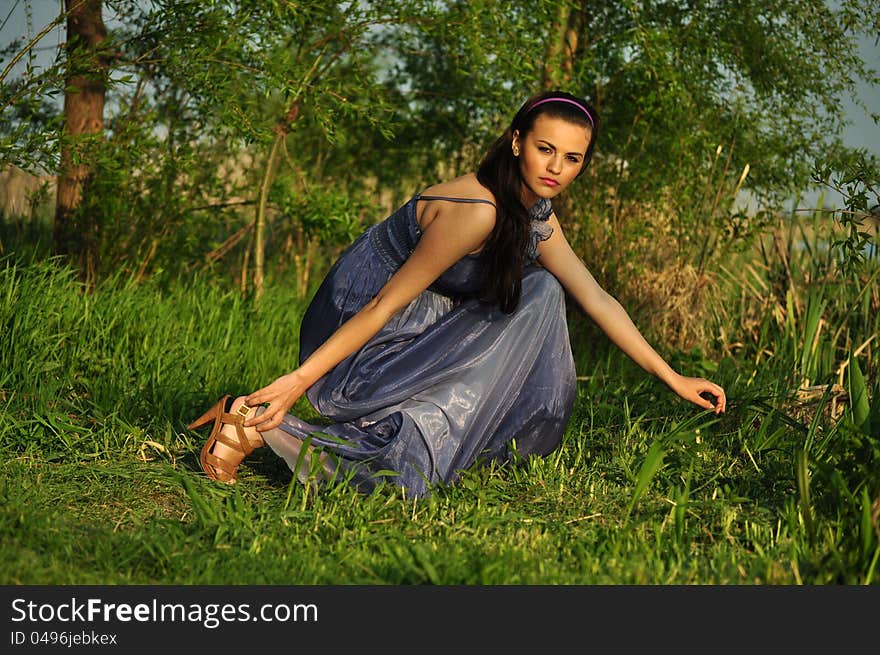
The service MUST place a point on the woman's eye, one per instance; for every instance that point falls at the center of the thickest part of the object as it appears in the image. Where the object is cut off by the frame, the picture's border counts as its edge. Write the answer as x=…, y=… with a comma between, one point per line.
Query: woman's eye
x=574, y=159
x=543, y=148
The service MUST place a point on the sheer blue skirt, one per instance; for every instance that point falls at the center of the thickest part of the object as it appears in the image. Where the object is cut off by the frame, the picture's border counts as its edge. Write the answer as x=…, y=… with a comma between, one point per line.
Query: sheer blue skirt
x=447, y=382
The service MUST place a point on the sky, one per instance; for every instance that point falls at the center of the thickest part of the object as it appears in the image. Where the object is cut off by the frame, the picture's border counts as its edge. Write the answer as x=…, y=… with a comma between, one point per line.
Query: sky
x=864, y=132
x=861, y=133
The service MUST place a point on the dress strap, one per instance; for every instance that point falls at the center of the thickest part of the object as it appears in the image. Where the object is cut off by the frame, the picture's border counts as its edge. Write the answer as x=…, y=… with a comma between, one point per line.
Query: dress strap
x=419, y=196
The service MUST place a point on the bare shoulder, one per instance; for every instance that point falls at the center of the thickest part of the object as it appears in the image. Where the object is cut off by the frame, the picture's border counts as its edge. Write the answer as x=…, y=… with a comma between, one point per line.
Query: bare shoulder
x=466, y=186
x=477, y=218
x=470, y=218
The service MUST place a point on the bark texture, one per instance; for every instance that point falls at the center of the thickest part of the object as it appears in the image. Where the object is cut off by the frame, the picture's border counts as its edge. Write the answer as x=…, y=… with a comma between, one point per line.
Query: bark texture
x=75, y=232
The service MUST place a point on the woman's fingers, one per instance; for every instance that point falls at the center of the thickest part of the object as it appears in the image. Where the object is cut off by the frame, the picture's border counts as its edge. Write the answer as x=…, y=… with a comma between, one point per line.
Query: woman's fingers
x=259, y=420
x=257, y=397
x=267, y=420
x=710, y=388
x=720, y=399
x=273, y=414
x=279, y=397
x=704, y=402
x=704, y=393
x=271, y=422
x=721, y=405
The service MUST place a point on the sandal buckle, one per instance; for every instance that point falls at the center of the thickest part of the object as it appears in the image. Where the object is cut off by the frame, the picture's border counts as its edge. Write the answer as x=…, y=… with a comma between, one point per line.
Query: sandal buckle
x=243, y=410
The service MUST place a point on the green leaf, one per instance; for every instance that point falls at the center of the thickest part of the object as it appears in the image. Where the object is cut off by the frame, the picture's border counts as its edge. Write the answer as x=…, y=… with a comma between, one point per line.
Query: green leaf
x=650, y=466
x=860, y=408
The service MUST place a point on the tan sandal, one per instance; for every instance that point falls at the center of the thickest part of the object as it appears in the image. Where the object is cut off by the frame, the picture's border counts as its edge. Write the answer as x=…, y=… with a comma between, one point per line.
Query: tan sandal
x=215, y=467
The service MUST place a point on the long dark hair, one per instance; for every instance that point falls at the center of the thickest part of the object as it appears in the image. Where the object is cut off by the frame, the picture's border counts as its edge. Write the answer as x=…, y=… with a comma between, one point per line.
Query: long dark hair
x=505, y=250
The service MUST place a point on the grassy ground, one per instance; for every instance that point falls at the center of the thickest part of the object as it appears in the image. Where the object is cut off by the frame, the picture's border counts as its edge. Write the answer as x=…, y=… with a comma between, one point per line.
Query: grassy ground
x=100, y=483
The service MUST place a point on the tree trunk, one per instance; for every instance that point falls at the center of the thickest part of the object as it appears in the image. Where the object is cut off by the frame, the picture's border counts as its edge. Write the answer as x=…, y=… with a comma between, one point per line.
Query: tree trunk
x=562, y=47
x=75, y=234
x=281, y=131
x=260, y=222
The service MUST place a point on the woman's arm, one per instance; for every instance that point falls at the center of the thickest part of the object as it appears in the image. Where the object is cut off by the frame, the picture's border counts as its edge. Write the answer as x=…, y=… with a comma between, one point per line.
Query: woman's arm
x=448, y=238
x=556, y=255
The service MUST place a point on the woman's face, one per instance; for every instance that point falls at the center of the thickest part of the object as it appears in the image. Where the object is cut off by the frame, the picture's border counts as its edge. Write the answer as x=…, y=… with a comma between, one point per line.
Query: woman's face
x=550, y=156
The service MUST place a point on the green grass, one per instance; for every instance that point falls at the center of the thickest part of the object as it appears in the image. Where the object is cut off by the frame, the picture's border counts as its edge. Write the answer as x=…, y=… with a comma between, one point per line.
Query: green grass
x=100, y=483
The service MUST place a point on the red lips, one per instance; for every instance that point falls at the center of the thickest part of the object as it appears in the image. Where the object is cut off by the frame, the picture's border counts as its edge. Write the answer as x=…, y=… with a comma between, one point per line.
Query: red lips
x=549, y=181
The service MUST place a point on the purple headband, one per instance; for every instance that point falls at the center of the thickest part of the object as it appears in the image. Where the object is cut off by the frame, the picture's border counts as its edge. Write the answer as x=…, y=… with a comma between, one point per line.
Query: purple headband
x=571, y=102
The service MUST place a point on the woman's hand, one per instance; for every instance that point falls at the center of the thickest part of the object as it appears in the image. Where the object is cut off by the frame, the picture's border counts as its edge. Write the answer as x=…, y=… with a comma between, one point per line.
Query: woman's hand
x=693, y=389
x=280, y=396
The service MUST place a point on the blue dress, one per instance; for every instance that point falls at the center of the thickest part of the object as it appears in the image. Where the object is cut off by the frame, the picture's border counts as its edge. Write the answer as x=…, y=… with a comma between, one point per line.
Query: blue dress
x=449, y=380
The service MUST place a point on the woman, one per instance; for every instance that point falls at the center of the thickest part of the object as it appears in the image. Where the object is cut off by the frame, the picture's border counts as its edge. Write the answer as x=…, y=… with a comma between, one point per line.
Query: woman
x=439, y=337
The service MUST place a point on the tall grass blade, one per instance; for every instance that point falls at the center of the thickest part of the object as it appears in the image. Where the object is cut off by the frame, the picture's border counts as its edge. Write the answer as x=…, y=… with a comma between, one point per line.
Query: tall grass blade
x=860, y=409
x=869, y=536
x=204, y=512
x=653, y=462
x=771, y=412
x=817, y=416
x=803, y=482
x=812, y=327
x=869, y=577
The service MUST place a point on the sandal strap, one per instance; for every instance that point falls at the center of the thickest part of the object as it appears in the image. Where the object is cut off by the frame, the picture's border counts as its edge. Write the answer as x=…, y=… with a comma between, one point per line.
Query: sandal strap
x=221, y=465
x=213, y=465
x=237, y=420
x=241, y=444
